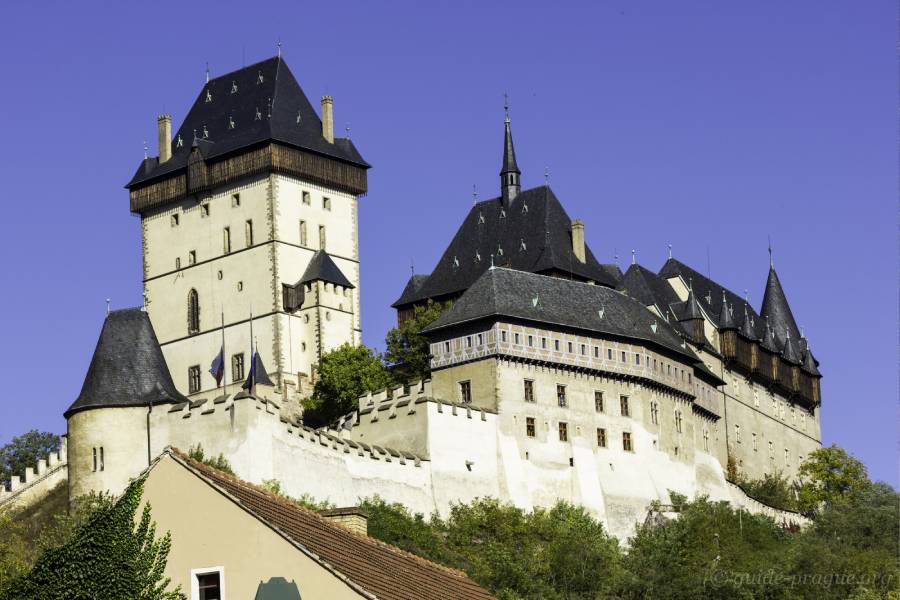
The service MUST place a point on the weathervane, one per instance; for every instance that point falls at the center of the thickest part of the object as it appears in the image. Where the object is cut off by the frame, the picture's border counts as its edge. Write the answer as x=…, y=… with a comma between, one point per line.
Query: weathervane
x=279, y=46
x=669, y=246
x=506, y=105
x=547, y=175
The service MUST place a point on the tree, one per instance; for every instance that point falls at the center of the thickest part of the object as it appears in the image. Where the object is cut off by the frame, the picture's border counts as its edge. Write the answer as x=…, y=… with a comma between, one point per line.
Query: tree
x=25, y=451
x=830, y=475
x=773, y=489
x=108, y=558
x=344, y=375
x=407, y=349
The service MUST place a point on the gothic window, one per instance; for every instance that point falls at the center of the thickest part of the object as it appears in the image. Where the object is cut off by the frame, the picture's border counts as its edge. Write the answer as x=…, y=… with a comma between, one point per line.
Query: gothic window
x=623, y=405
x=193, y=312
x=563, y=432
x=529, y=426
x=598, y=401
x=678, y=421
x=465, y=391
x=303, y=233
x=626, y=442
x=237, y=367
x=248, y=232
x=601, y=437
x=529, y=390
x=561, y=395
x=194, y=379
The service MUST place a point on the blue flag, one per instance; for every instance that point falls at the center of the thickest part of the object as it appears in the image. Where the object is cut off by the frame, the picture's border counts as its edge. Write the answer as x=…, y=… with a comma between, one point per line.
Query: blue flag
x=217, y=368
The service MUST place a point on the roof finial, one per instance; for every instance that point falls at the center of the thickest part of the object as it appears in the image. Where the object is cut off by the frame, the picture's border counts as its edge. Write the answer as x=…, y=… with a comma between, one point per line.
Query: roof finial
x=547, y=175
x=492, y=260
x=207, y=71
x=279, y=46
x=107, y=306
x=347, y=129
x=633, y=256
x=771, y=256
x=615, y=257
x=145, y=149
x=412, y=267
x=506, y=105
x=746, y=296
x=669, y=247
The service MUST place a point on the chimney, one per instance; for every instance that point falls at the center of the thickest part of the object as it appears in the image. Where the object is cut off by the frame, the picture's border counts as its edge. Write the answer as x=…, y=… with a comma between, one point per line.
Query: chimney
x=328, y=118
x=165, y=137
x=352, y=517
x=578, y=239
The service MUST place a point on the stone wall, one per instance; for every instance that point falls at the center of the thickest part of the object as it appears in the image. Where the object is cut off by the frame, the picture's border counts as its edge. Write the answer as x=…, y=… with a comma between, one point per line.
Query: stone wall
x=36, y=484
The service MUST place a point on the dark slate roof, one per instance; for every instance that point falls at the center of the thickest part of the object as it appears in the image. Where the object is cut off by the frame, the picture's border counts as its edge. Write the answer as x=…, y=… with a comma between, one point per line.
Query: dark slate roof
x=810, y=364
x=690, y=310
x=561, y=302
x=775, y=307
x=534, y=234
x=128, y=367
x=411, y=290
x=509, y=152
x=790, y=352
x=726, y=315
x=267, y=89
x=748, y=324
x=322, y=268
x=257, y=375
x=648, y=288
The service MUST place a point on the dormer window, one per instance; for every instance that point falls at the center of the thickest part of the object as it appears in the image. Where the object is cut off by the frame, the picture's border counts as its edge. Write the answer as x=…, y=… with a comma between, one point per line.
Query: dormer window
x=179, y=142
x=230, y=123
x=259, y=78
x=205, y=132
x=522, y=246
x=480, y=218
x=524, y=208
x=258, y=116
x=208, y=96
x=234, y=87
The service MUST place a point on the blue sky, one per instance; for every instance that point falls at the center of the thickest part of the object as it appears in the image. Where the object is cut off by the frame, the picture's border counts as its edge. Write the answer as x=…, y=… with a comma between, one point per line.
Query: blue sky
x=706, y=125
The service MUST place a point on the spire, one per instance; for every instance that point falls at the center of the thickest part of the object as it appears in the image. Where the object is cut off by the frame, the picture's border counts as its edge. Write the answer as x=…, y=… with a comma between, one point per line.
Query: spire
x=809, y=363
x=726, y=319
x=691, y=306
x=509, y=174
x=768, y=340
x=775, y=307
x=747, y=327
x=790, y=352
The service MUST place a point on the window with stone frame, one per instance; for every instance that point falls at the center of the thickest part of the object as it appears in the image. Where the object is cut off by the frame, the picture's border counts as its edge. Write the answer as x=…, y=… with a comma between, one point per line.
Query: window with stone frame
x=194, y=379
x=623, y=406
x=563, y=431
x=465, y=392
x=529, y=427
x=303, y=238
x=237, y=367
x=529, y=390
x=601, y=437
x=561, y=395
x=626, y=442
x=193, y=312
x=598, y=401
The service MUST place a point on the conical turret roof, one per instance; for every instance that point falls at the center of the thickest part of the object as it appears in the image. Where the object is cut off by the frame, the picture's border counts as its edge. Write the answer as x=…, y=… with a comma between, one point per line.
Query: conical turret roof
x=775, y=307
x=509, y=152
x=726, y=319
x=790, y=352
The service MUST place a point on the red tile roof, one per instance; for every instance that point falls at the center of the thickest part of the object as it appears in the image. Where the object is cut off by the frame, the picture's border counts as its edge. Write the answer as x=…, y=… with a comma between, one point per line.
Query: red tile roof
x=379, y=569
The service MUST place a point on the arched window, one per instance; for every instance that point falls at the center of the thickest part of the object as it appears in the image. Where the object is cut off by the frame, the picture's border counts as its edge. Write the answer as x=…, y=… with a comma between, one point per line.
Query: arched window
x=193, y=313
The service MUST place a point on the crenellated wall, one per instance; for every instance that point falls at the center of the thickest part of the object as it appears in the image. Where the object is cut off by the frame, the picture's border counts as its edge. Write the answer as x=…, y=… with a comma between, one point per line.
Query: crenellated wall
x=36, y=484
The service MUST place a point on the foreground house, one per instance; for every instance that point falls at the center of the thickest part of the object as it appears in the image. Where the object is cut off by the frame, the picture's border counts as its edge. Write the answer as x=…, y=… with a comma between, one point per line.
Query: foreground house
x=231, y=539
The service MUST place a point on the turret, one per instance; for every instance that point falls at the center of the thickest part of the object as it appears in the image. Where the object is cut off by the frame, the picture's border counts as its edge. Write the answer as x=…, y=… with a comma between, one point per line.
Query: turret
x=693, y=319
x=510, y=173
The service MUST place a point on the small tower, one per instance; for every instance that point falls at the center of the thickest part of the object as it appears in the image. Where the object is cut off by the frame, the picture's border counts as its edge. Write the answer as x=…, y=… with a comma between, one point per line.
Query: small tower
x=510, y=173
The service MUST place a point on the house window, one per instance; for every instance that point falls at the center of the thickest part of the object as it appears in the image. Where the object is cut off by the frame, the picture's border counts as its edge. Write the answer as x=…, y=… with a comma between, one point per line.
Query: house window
x=601, y=437
x=248, y=232
x=623, y=356
x=480, y=339
x=706, y=440
x=583, y=349
x=102, y=460
x=235, y=200
x=529, y=426
x=306, y=198
x=204, y=210
x=561, y=395
x=303, y=233
x=237, y=367
x=626, y=442
x=177, y=262
x=623, y=405
x=678, y=421
x=468, y=341
x=193, y=310
x=192, y=257
x=194, y=379
x=516, y=338
x=598, y=401
x=226, y=240
x=446, y=346
x=465, y=392
x=173, y=221
x=563, y=432
x=503, y=336
x=529, y=390
x=207, y=584
x=530, y=341
x=596, y=351
x=543, y=343
x=326, y=203
x=637, y=359
x=321, y=237
x=654, y=413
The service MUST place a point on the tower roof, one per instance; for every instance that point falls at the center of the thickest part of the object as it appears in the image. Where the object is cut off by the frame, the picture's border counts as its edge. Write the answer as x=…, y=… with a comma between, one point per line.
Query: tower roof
x=322, y=268
x=790, y=352
x=775, y=307
x=691, y=309
x=128, y=367
x=258, y=103
x=748, y=329
x=726, y=318
x=649, y=289
x=509, y=151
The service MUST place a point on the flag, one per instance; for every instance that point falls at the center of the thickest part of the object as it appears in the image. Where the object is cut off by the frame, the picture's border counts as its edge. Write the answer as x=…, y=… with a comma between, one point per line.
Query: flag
x=217, y=368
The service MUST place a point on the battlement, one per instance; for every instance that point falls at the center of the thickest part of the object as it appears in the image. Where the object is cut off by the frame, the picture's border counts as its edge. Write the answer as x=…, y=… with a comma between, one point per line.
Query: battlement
x=36, y=482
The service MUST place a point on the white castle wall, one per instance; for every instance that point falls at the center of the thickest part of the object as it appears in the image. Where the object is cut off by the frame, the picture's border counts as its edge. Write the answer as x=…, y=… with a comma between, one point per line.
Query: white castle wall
x=36, y=484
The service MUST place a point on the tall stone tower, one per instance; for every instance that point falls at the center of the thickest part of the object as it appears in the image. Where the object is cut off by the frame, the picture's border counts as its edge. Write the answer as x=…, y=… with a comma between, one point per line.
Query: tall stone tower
x=251, y=209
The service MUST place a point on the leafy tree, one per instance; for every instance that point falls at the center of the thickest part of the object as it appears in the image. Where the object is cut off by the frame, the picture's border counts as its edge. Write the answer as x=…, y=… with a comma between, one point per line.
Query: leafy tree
x=393, y=524
x=216, y=462
x=830, y=475
x=772, y=489
x=25, y=451
x=407, y=349
x=344, y=375
x=108, y=558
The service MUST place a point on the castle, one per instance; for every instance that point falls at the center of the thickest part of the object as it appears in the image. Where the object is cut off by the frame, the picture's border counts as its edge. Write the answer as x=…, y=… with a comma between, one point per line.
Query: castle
x=553, y=376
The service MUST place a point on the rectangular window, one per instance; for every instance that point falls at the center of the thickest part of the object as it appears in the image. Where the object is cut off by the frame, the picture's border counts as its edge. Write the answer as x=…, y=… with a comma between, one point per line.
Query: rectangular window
x=609, y=353
x=561, y=395
x=94, y=468
x=226, y=240
x=637, y=359
x=177, y=262
x=468, y=341
x=530, y=341
x=737, y=433
x=543, y=343
x=626, y=441
x=529, y=390
x=306, y=198
x=237, y=367
x=303, y=239
x=173, y=221
x=208, y=586
x=563, y=432
x=601, y=437
x=194, y=379
x=556, y=345
x=623, y=356
x=516, y=338
x=102, y=460
x=583, y=349
x=192, y=257
x=321, y=237
x=787, y=457
x=248, y=232
x=465, y=392
x=446, y=346
x=529, y=426
x=235, y=200
x=596, y=351
x=598, y=401
x=326, y=202
x=755, y=446
x=480, y=339
x=204, y=210
x=569, y=347
x=623, y=405
x=503, y=336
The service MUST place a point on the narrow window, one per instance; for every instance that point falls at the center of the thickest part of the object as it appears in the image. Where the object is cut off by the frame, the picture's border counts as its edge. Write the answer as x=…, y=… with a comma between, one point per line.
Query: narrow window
x=94, y=468
x=194, y=379
x=248, y=232
x=204, y=210
x=326, y=203
x=737, y=433
x=771, y=451
x=563, y=432
x=529, y=390
x=321, y=237
x=446, y=346
x=626, y=441
x=303, y=233
x=596, y=351
x=601, y=437
x=480, y=339
x=623, y=405
x=706, y=440
x=503, y=336
x=102, y=460
x=226, y=240
x=569, y=347
x=543, y=343
x=173, y=221
x=192, y=257
x=637, y=359
x=561, y=395
x=516, y=338
x=306, y=198
x=556, y=345
x=465, y=392
x=209, y=586
x=787, y=457
x=753, y=437
x=177, y=262
x=623, y=356
x=654, y=413
x=598, y=401
x=583, y=349
x=468, y=341
x=235, y=200
x=530, y=341
x=678, y=421
x=193, y=311
x=609, y=353
x=237, y=367
x=529, y=426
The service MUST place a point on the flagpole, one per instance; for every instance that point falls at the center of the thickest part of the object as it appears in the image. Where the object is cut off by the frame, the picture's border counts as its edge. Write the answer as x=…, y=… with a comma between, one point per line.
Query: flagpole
x=252, y=356
x=224, y=370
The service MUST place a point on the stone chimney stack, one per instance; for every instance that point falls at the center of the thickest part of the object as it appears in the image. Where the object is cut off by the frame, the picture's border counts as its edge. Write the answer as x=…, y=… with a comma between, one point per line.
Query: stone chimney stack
x=578, y=239
x=164, y=123
x=328, y=118
x=352, y=517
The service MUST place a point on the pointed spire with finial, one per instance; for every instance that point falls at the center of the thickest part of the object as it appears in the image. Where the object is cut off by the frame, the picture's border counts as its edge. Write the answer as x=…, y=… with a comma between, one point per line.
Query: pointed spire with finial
x=747, y=327
x=775, y=306
x=669, y=248
x=726, y=319
x=509, y=173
